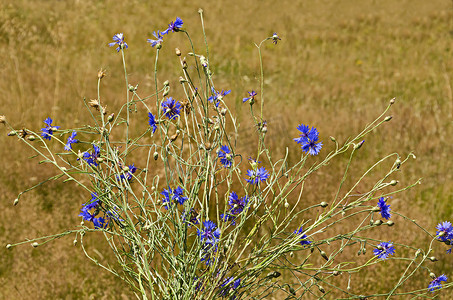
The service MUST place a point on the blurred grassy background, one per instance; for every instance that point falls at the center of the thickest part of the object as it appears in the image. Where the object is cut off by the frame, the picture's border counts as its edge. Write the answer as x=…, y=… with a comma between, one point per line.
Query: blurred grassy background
x=336, y=68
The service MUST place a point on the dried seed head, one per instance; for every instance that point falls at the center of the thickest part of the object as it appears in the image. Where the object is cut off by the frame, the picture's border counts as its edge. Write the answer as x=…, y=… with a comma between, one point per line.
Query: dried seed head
x=101, y=74
x=178, y=52
x=175, y=136
x=94, y=103
x=392, y=101
x=2, y=120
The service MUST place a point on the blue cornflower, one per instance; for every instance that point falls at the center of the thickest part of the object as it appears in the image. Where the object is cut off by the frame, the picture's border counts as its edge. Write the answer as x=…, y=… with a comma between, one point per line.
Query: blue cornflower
x=303, y=237
x=275, y=38
x=384, y=249
x=91, y=217
x=218, y=96
x=309, y=139
x=385, y=209
x=210, y=234
x=444, y=231
x=47, y=131
x=71, y=140
x=91, y=158
x=437, y=283
x=174, y=26
x=228, y=218
x=191, y=217
x=158, y=40
x=237, y=204
x=171, y=108
x=118, y=39
x=112, y=215
x=257, y=175
x=251, y=97
x=226, y=158
x=229, y=285
x=128, y=174
x=152, y=121
x=173, y=195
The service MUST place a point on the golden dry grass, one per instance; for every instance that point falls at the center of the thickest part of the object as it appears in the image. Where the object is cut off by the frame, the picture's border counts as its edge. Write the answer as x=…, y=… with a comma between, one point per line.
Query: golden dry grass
x=337, y=66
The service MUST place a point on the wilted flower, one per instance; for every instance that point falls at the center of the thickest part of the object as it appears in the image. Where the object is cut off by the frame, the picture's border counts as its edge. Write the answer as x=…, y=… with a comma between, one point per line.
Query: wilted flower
x=275, y=38
x=88, y=216
x=118, y=39
x=71, y=140
x=437, y=283
x=158, y=40
x=251, y=96
x=152, y=121
x=191, y=217
x=384, y=249
x=217, y=96
x=171, y=108
x=47, y=131
x=385, y=209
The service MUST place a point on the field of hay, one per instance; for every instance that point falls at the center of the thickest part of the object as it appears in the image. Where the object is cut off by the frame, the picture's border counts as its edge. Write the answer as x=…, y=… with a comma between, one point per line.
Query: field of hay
x=336, y=67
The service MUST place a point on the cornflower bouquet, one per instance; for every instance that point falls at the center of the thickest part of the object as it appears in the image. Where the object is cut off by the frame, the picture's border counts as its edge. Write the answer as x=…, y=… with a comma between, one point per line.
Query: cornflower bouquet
x=208, y=222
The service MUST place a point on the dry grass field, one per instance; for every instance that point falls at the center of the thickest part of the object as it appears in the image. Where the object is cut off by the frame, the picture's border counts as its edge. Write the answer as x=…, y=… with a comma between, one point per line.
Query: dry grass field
x=337, y=66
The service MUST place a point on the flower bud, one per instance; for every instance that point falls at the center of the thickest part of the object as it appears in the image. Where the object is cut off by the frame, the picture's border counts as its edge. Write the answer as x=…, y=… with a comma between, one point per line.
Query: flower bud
x=433, y=258
x=12, y=133
x=16, y=201
x=35, y=244
x=166, y=92
x=110, y=118
x=375, y=209
x=275, y=274
x=291, y=254
x=2, y=120
x=333, y=139
x=8, y=246
x=166, y=83
x=392, y=101
x=207, y=146
x=291, y=290
x=388, y=118
x=321, y=289
x=357, y=146
x=223, y=111
x=126, y=169
x=324, y=255
x=156, y=155
x=178, y=52
x=101, y=74
x=432, y=275
x=324, y=204
x=390, y=223
x=377, y=222
x=398, y=163
x=74, y=242
x=181, y=79
x=393, y=182
x=159, y=46
x=286, y=204
x=336, y=273
x=31, y=138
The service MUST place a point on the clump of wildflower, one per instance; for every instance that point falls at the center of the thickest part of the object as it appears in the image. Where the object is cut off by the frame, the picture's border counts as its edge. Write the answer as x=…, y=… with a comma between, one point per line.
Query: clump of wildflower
x=159, y=39
x=303, y=237
x=437, y=283
x=91, y=158
x=385, y=208
x=191, y=217
x=209, y=237
x=226, y=158
x=171, y=196
x=275, y=38
x=118, y=39
x=128, y=175
x=91, y=217
x=218, y=96
x=174, y=26
x=172, y=108
x=251, y=97
x=71, y=140
x=152, y=121
x=309, y=139
x=257, y=175
x=384, y=249
x=47, y=131
x=229, y=285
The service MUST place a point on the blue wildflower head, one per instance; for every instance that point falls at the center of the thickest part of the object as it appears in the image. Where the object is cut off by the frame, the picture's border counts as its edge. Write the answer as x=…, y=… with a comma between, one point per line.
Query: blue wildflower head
x=210, y=234
x=47, y=131
x=384, y=249
x=250, y=98
x=257, y=175
x=91, y=158
x=384, y=207
x=303, y=237
x=217, y=96
x=171, y=196
x=174, y=26
x=226, y=158
x=237, y=205
x=228, y=285
x=158, y=39
x=128, y=175
x=275, y=38
x=437, y=283
x=90, y=210
x=444, y=231
x=118, y=39
x=71, y=140
x=172, y=108
x=152, y=121
x=309, y=139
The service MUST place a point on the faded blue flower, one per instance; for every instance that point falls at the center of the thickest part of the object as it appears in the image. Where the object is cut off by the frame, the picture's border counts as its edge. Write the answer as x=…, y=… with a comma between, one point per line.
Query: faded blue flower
x=303, y=237
x=218, y=96
x=384, y=249
x=152, y=121
x=385, y=209
x=174, y=26
x=275, y=38
x=191, y=217
x=91, y=158
x=226, y=158
x=158, y=40
x=172, y=108
x=47, y=131
x=257, y=175
x=437, y=283
x=251, y=96
x=228, y=285
x=87, y=215
x=71, y=140
x=118, y=39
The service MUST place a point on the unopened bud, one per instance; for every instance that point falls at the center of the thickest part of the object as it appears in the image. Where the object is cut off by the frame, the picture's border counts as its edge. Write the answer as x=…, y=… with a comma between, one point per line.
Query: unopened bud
x=377, y=222
x=100, y=159
x=159, y=46
x=324, y=255
x=110, y=118
x=166, y=92
x=12, y=133
x=181, y=79
x=333, y=139
x=390, y=223
x=392, y=101
x=207, y=146
x=324, y=204
x=286, y=204
x=433, y=258
x=8, y=246
x=178, y=52
x=16, y=201
x=375, y=209
x=321, y=289
x=393, y=182
x=74, y=242
x=336, y=273
x=175, y=136
x=275, y=274
x=432, y=275
x=398, y=163
x=357, y=146
x=388, y=118
x=184, y=63
x=35, y=244
x=126, y=169
x=156, y=155
x=291, y=254
x=31, y=138
x=131, y=88
x=379, y=247
x=264, y=129
x=291, y=290
x=166, y=83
